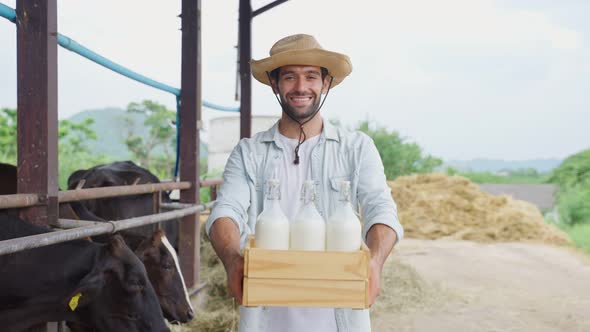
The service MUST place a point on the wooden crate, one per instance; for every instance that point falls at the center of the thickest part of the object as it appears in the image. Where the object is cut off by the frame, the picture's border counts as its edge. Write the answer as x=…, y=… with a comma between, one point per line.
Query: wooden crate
x=306, y=278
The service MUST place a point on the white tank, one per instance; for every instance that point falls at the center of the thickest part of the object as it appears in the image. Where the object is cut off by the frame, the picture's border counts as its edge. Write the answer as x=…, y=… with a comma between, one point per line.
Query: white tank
x=308, y=228
x=272, y=226
x=223, y=133
x=343, y=227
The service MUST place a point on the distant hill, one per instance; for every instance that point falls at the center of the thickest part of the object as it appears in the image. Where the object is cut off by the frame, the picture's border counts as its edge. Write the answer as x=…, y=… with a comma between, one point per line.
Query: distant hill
x=495, y=165
x=111, y=129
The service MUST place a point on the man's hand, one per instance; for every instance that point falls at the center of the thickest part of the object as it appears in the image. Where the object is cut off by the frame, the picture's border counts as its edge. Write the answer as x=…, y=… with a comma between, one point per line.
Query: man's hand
x=235, y=277
x=380, y=240
x=225, y=239
x=374, y=280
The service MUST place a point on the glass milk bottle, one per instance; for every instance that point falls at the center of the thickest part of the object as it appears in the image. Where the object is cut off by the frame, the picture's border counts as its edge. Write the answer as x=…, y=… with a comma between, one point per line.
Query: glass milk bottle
x=308, y=228
x=343, y=227
x=272, y=226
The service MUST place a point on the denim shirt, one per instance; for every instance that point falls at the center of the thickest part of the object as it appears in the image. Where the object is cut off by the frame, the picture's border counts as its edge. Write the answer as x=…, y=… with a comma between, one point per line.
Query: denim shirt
x=339, y=155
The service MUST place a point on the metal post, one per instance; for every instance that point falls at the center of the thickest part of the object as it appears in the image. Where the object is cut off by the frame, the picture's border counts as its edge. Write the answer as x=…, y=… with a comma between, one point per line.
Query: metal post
x=190, y=118
x=36, y=29
x=245, y=45
x=37, y=106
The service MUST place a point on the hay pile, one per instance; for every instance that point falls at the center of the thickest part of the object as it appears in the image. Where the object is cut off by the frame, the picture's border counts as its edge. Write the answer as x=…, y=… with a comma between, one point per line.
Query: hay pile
x=217, y=311
x=433, y=206
x=404, y=290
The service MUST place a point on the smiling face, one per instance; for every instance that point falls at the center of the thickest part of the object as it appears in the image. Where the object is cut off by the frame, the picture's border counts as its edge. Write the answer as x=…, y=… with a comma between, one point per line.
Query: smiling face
x=300, y=88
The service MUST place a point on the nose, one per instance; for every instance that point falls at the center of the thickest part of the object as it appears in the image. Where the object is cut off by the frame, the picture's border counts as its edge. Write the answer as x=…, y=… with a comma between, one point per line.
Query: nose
x=300, y=85
x=190, y=314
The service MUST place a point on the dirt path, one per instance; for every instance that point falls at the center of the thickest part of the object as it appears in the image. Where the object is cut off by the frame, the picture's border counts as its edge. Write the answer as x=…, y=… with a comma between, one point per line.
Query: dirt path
x=495, y=287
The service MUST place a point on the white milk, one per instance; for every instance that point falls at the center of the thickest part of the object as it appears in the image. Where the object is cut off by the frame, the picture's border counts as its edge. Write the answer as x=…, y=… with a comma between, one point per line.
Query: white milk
x=272, y=226
x=308, y=235
x=308, y=228
x=343, y=227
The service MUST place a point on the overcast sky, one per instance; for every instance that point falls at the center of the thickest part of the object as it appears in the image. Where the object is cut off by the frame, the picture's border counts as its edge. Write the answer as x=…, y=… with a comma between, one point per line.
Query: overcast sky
x=462, y=78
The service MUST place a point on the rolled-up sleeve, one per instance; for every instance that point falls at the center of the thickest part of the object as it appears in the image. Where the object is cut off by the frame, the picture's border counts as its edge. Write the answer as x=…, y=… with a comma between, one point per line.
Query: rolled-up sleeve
x=377, y=204
x=233, y=196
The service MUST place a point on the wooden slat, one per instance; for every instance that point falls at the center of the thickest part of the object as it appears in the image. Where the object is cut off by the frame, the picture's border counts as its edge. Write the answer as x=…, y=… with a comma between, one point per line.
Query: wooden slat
x=289, y=264
x=296, y=264
x=306, y=293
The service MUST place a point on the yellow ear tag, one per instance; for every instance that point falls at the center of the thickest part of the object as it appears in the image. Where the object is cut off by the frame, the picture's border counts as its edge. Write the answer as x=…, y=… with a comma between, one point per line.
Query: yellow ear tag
x=74, y=301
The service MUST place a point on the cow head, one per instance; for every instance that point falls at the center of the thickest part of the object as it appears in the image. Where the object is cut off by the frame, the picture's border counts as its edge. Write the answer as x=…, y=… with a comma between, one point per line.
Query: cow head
x=116, y=295
x=163, y=269
x=119, y=173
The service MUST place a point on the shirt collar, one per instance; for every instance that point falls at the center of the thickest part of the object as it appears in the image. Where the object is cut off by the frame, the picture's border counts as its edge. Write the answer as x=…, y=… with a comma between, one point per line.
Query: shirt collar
x=329, y=132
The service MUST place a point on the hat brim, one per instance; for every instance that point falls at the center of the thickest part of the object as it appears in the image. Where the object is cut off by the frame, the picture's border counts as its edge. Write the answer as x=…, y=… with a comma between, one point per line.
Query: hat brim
x=338, y=65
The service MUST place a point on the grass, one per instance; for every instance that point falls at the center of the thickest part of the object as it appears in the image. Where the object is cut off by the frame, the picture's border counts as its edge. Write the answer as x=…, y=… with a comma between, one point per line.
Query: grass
x=488, y=177
x=580, y=234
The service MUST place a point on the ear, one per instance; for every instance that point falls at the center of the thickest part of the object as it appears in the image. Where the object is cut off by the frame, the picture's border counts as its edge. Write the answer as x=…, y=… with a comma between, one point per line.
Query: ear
x=157, y=238
x=274, y=86
x=117, y=245
x=150, y=246
x=75, y=178
x=327, y=80
x=86, y=290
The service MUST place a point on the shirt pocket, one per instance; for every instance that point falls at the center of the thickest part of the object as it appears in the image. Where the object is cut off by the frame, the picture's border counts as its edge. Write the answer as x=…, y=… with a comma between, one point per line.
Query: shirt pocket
x=256, y=179
x=335, y=186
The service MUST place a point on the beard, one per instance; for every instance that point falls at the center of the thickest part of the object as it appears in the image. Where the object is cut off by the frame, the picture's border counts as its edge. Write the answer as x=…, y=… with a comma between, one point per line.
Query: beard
x=298, y=113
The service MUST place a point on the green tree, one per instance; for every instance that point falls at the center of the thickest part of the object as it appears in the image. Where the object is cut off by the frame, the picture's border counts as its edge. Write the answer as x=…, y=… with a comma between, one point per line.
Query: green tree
x=399, y=157
x=161, y=138
x=573, y=171
x=8, y=135
x=73, y=152
x=75, y=135
x=573, y=178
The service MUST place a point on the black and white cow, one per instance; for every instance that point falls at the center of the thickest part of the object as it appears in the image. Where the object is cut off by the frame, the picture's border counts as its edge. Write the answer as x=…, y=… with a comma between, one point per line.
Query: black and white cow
x=153, y=247
x=101, y=286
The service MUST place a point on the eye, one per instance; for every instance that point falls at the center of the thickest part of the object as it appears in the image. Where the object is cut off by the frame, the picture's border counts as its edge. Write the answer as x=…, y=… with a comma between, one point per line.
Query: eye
x=168, y=267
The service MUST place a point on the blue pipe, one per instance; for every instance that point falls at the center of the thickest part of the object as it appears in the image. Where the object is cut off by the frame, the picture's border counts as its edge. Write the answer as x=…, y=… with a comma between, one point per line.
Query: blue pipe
x=7, y=13
x=219, y=107
x=73, y=46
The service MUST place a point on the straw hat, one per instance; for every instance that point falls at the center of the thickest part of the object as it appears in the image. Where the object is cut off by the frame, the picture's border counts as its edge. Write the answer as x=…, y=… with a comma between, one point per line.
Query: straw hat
x=301, y=50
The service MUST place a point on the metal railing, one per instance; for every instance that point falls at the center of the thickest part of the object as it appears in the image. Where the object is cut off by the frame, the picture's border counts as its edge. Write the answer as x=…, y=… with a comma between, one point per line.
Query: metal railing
x=78, y=229
x=92, y=229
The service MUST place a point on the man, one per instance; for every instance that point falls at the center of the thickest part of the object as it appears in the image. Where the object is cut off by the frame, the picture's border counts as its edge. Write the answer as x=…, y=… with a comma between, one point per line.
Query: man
x=300, y=146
